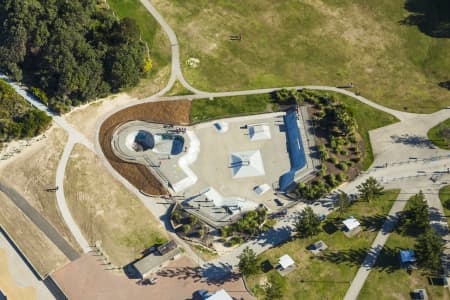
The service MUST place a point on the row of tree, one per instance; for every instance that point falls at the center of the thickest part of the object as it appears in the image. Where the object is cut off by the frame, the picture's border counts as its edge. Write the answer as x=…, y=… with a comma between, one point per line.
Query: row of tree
x=72, y=51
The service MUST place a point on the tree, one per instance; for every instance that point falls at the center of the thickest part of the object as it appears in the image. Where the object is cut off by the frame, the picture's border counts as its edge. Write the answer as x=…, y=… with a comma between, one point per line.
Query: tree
x=248, y=263
x=186, y=228
x=428, y=248
x=370, y=189
x=418, y=211
x=307, y=223
x=275, y=287
x=343, y=202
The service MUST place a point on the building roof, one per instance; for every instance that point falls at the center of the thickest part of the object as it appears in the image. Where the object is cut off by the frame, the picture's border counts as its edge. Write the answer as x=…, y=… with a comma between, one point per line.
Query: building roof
x=220, y=295
x=407, y=256
x=247, y=164
x=258, y=132
x=351, y=223
x=170, y=245
x=286, y=261
x=150, y=262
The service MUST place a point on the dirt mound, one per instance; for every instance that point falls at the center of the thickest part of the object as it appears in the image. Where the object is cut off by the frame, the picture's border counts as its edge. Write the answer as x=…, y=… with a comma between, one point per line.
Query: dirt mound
x=173, y=112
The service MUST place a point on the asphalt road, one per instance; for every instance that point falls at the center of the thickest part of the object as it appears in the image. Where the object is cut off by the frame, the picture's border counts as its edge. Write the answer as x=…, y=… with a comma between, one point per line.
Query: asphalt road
x=40, y=222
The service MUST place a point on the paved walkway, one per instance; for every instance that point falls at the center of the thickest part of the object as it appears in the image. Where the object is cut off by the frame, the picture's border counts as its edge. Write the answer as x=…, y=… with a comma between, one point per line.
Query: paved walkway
x=377, y=245
x=40, y=222
x=60, y=199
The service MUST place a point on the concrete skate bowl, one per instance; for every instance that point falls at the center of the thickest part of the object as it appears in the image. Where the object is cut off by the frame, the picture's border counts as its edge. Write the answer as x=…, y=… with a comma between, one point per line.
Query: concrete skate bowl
x=140, y=141
x=170, y=112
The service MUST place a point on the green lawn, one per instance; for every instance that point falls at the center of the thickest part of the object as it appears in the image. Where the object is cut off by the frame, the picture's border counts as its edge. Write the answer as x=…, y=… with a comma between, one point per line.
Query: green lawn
x=440, y=135
x=154, y=36
x=367, y=118
x=206, y=109
x=388, y=281
x=444, y=195
x=328, y=275
x=325, y=42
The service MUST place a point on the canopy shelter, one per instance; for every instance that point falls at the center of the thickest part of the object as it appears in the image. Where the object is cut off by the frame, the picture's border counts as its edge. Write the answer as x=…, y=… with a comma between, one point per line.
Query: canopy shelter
x=286, y=261
x=351, y=223
x=407, y=257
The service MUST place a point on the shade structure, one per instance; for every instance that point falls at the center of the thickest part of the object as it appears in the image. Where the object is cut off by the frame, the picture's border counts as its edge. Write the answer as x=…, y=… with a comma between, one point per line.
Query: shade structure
x=246, y=164
x=286, y=261
x=351, y=223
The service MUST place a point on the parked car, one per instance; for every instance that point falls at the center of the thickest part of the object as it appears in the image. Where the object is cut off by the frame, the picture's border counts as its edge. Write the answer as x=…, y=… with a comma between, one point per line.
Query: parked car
x=278, y=202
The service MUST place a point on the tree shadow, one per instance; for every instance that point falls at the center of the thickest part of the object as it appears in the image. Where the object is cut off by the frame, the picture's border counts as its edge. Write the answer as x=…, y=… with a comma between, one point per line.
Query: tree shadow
x=274, y=236
x=445, y=84
x=432, y=17
x=386, y=261
x=218, y=273
x=373, y=223
x=412, y=140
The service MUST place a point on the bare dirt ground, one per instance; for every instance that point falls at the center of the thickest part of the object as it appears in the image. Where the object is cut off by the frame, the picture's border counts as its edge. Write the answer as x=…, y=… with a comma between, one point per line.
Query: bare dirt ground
x=175, y=112
x=34, y=171
x=86, y=278
x=85, y=118
x=106, y=211
x=42, y=253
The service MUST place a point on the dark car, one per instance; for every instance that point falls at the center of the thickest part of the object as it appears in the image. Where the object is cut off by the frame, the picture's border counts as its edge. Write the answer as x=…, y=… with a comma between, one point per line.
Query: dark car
x=278, y=202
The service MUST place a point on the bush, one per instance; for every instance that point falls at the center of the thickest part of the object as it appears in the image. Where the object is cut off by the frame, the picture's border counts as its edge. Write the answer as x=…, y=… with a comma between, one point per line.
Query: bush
x=343, y=152
x=40, y=95
x=343, y=166
x=334, y=160
x=323, y=170
x=235, y=240
x=186, y=228
x=331, y=180
x=341, y=177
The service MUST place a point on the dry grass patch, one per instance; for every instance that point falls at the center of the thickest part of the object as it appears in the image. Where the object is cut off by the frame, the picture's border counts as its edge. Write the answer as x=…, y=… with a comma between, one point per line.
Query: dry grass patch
x=40, y=251
x=34, y=171
x=106, y=211
x=8, y=285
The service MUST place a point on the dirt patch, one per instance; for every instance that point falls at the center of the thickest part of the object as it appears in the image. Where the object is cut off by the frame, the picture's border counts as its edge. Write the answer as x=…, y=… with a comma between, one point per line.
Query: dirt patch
x=41, y=252
x=174, y=112
x=7, y=284
x=106, y=212
x=34, y=171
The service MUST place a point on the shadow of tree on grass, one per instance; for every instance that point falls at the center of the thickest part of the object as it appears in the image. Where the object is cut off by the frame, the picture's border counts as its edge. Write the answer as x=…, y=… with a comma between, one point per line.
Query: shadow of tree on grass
x=432, y=17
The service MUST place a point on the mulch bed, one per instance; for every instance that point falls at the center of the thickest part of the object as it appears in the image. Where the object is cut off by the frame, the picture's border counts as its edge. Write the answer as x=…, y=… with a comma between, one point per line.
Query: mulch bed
x=173, y=112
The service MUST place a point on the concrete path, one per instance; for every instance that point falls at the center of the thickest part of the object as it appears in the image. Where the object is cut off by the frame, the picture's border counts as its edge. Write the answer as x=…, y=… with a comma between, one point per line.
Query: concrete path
x=377, y=245
x=40, y=222
x=60, y=199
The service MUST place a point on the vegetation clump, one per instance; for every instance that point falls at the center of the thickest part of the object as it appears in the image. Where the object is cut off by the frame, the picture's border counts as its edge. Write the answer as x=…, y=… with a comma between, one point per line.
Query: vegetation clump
x=71, y=51
x=18, y=119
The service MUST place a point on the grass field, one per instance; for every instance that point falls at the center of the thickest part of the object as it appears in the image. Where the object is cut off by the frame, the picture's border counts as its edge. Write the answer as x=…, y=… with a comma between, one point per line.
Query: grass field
x=106, y=211
x=324, y=42
x=206, y=109
x=157, y=41
x=444, y=195
x=388, y=281
x=327, y=276
x=440, y=135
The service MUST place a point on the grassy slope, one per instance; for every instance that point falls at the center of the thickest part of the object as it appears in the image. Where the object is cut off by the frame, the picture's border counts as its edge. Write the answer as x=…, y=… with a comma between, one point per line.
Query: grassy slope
x=325, y=42
x=106, y=211
x=152, y=34
x=323, y=279
x=440, y=135
x=205, y=109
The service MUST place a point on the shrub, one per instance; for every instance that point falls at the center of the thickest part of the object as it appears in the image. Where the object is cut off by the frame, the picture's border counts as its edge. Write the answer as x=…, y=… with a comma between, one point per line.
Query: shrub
x=235, y=240
x=343, y=152
x=343, y=166
x=341, y=177
x=40, y=95
x=186, y=228
x=323, y=170
x=331, y=180
x=334, y=160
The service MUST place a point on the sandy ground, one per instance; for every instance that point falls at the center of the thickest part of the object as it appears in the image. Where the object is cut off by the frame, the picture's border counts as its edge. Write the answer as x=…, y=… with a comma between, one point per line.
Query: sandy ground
x=9, y=286
x=34, y=171
x=86, y=278
x=106, y=211
x=42, y=253
x=176, y=112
